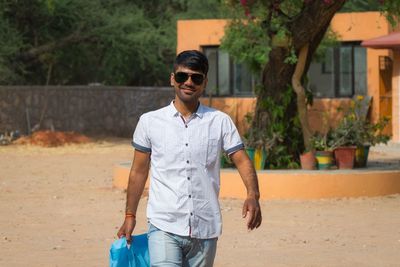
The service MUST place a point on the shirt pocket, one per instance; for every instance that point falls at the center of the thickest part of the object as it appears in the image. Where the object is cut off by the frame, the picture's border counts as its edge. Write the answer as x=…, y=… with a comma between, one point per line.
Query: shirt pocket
x=205, y=151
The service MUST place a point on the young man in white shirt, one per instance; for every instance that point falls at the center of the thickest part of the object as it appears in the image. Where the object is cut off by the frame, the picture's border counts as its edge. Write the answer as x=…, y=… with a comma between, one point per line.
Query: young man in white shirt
x=183, y=143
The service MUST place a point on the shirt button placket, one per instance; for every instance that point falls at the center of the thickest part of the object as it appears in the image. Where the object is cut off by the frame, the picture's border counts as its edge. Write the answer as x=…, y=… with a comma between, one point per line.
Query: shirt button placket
x=189, y=176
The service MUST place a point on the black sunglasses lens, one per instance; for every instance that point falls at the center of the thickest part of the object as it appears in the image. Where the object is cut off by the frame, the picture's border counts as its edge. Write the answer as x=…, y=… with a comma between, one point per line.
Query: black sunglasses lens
x=197, y=78
x=181, y=77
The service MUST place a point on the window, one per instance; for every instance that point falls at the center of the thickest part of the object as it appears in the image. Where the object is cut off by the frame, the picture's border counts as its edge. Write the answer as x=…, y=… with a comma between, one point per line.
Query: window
x=225, y=77
x=342, y=72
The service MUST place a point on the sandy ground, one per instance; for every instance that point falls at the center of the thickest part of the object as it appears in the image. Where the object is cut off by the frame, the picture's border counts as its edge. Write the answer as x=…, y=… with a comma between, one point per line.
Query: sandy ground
x=57, y=208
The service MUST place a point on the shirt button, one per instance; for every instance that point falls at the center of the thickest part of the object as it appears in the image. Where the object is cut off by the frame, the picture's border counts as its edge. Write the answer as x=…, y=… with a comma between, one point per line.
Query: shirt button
x=187, y=161
x=190, y=196
x=191, y=214
x=186, y=126
x=186, y=144
x=188, y=178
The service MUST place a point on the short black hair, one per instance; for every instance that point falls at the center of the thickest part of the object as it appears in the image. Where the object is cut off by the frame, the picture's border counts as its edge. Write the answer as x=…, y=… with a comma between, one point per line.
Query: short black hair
x=192, y=59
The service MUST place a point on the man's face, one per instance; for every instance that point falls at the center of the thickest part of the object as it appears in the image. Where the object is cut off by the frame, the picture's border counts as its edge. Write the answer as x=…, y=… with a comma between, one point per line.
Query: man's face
x=189, y=84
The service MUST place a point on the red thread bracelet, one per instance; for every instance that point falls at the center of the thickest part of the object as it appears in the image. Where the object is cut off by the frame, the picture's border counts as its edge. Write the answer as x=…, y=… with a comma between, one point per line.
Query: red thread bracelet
x=130, y=215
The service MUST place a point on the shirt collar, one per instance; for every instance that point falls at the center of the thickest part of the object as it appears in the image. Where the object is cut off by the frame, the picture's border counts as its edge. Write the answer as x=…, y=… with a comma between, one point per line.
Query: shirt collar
x=172, y=111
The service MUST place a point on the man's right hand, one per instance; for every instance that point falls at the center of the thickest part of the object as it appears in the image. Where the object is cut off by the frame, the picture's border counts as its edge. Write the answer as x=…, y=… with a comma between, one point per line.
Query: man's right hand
x=127, y=229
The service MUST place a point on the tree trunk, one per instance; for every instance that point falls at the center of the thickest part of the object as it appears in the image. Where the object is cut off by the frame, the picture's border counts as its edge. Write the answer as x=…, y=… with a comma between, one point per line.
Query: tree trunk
x=275, y=76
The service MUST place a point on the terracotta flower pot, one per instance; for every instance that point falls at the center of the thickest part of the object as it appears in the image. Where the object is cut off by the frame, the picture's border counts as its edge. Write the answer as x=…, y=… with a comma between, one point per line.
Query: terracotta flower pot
x=345, y=156
x=308, y=161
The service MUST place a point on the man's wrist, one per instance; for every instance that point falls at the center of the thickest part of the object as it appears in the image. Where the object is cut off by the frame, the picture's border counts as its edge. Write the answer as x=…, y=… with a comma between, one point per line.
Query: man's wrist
x=254, y=195
x=130, y=215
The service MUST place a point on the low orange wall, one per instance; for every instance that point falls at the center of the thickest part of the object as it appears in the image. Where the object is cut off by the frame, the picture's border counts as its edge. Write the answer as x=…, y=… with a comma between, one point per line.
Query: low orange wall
x=299, y=184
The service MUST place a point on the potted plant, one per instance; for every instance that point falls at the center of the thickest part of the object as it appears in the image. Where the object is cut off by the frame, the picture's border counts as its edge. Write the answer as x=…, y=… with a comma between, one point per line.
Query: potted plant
x=348, y=132
x=258, y=143
x=324, y=144
x=359, y=132
x=371, y=135
x=308, y=160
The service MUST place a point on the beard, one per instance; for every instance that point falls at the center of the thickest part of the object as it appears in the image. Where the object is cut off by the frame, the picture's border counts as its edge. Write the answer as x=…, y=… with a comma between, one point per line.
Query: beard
x=188, y=94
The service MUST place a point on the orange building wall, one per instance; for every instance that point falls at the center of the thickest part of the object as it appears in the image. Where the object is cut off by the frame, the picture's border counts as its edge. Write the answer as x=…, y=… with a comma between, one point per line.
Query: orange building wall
x=319, y=119
x=193, y=34
x=358, y=26
x=396, y=96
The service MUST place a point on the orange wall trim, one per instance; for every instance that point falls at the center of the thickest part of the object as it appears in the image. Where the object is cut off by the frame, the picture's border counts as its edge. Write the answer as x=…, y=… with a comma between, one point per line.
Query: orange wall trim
x=299, y=184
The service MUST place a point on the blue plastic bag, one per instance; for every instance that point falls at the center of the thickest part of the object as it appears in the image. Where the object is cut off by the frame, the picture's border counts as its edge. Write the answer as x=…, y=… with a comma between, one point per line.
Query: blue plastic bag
x=135, y=255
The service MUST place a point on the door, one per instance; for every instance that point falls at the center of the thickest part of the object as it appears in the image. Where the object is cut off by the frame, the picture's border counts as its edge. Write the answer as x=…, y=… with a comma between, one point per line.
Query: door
x=385, y=91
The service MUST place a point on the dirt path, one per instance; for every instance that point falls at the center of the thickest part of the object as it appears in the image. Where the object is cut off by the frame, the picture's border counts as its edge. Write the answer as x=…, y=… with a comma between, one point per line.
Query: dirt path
x=57, y=208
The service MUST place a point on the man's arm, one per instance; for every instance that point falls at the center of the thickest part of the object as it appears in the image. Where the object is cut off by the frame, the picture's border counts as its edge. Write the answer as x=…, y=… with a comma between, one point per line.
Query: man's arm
x=137, y=180
x=251, y=206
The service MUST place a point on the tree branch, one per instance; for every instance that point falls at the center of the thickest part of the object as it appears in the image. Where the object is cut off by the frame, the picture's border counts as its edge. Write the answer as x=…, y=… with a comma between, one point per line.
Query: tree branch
x=314, y=17
x=301, y=95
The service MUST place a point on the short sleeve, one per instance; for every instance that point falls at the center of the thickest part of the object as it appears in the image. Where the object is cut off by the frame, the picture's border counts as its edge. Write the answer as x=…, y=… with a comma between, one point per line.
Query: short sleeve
x=141, y=140
x=231, y=141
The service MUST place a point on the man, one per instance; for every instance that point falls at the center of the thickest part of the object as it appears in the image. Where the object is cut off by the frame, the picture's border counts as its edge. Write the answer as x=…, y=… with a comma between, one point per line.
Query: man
x=183, y=143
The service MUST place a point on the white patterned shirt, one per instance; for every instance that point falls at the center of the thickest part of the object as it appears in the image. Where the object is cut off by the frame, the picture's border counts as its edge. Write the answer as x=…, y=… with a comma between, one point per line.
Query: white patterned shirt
x=185, y=168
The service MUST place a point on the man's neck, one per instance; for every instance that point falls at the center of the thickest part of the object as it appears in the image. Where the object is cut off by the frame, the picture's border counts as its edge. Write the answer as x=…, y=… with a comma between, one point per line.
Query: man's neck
x=186, y=109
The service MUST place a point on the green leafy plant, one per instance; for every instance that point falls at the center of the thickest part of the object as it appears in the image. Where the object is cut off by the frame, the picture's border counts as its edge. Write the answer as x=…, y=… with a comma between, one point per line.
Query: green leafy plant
x=357, y=130
x=248, y=44
x=272, y=138
x=354, y=129
x=328, y=141
x=255, y=138
x=373, y=134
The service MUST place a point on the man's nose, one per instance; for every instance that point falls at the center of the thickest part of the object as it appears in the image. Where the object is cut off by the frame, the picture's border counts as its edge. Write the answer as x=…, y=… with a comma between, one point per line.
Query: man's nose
x=189, y=80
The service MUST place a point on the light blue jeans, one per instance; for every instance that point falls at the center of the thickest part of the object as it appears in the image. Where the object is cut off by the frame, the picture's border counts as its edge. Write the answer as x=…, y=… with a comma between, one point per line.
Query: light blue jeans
x=170, y=250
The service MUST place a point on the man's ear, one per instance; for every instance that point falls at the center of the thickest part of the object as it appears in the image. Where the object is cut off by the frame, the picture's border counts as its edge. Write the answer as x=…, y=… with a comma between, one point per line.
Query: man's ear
x=172, y=80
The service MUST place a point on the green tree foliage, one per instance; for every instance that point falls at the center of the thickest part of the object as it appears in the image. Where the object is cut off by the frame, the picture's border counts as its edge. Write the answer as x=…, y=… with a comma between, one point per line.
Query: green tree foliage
x=119, y=42
x=391, y=8
x=361, y=5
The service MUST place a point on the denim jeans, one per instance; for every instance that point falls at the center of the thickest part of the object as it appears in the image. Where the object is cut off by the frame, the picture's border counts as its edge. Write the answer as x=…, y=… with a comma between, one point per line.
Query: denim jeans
x=168, y=250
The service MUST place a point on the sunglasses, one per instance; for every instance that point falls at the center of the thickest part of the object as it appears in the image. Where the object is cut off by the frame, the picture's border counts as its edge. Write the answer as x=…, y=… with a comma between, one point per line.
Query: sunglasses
x=181, y=77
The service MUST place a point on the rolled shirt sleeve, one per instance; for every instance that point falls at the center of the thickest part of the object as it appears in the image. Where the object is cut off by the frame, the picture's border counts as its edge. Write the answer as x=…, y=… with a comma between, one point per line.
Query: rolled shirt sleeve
x=231, y=141
x=141, y=140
